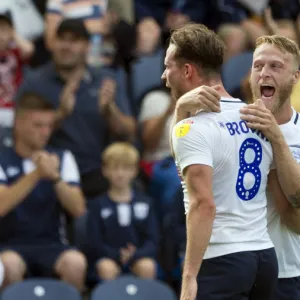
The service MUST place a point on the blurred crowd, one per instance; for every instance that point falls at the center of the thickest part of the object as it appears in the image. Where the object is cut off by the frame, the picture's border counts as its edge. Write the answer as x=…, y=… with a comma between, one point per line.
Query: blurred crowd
x=88, y=186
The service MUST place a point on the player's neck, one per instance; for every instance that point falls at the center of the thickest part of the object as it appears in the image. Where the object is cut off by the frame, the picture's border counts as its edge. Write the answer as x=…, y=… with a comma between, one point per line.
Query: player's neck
x=284, y=115
x=217, y=81
x=122, y=195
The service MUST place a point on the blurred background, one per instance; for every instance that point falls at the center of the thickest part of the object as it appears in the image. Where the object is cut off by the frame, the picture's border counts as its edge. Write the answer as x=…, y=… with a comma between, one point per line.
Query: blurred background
x=99, y=64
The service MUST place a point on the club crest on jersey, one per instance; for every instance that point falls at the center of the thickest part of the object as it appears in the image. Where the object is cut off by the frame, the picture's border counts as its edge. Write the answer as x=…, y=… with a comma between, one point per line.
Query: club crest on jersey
x=182, y=129
x=221, y=124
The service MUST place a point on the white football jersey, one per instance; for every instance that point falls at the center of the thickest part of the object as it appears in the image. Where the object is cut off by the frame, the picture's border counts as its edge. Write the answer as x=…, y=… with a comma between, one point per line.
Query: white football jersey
x=241, y=160
x=286, y=242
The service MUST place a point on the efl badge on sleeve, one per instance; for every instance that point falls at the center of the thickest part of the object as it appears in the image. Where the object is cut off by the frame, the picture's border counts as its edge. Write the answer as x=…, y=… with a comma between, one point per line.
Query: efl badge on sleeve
x=182, y=130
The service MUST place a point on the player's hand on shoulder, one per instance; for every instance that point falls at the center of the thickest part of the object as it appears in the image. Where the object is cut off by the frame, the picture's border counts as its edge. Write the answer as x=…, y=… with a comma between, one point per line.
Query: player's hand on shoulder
x=259, y=117
x=203, y=98
x=47, y=164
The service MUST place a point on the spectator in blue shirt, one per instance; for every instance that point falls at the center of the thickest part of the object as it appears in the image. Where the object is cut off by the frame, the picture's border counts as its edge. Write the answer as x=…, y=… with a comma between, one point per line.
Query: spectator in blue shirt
x=37, y=185
x=92, y=105
x=122, y=227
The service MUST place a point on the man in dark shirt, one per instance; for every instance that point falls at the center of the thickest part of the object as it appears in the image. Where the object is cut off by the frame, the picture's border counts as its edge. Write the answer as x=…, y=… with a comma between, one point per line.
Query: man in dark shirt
x=37, y=185
x=92, y=105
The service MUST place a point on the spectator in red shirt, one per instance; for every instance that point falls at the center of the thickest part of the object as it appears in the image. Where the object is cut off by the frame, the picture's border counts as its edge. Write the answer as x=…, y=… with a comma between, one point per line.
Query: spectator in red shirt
x=14, y=52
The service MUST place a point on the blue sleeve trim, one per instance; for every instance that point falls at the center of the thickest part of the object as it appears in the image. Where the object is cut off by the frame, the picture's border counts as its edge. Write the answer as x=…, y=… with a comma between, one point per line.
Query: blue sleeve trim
x=296, y=118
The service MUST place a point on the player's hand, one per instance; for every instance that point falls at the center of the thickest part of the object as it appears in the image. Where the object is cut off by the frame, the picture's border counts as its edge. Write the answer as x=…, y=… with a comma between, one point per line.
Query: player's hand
x=47, y=165
x=259, y=117
x=203, y=98
x=189, y=289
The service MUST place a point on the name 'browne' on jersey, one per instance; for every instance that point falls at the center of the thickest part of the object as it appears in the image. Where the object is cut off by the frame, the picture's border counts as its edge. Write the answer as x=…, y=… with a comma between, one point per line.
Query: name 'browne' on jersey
x=241, y=159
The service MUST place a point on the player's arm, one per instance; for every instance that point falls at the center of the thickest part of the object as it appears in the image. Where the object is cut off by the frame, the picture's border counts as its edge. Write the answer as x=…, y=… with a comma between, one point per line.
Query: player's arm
x=67, y=189
x=288, y=171
x=200, y=216
x=201, y=98
x=289, y=214
x=194, y=145
x=12, y=195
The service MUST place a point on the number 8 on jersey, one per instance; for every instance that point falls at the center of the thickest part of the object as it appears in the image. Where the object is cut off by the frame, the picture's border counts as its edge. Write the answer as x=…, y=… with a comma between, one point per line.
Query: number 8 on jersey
x=249, y=168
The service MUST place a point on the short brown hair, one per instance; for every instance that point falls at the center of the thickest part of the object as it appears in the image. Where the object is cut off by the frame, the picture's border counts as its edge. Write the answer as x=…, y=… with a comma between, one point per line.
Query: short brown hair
x=199, y=45
x=120, y=153
x=33, y=101
x=283, y=43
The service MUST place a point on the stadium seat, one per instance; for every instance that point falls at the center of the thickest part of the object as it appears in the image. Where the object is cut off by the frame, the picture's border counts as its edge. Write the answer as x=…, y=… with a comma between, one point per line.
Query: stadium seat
x=235, y=70
x=37, y=289
x=132, y=288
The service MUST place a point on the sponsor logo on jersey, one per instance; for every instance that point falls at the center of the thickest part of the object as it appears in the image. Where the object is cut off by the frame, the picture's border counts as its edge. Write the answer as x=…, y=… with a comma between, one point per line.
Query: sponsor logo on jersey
x=188, y=122
x=182, y=129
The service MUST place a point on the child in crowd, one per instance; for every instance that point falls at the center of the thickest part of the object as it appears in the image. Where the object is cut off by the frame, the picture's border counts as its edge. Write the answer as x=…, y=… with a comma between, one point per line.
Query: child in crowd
x=122, y=227
x=14, y=52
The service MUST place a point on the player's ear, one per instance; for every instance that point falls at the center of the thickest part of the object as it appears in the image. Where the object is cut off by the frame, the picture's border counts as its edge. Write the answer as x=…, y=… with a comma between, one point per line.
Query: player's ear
x=188, y=71
x=296, y=77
